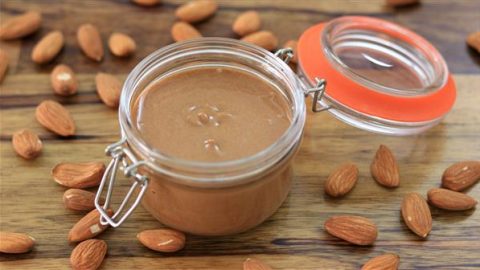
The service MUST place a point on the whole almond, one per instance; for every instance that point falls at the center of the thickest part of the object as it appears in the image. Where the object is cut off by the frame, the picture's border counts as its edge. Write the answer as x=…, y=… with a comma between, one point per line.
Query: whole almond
x=78, y=175
x=264, y=39
x=56, y=118
x=196, y=10
x=15, y=242
x=384, y=168
x=354, y=229
x=88, y=255
x=87, y=227
x=246, y=23
x=63, y=80
x=3, y=64
x=416, y=214
x=109, y=89
x=183, y=31
x=27, y=144
x=20, y=26
x=146, y=3
x=255, y=264
x=163, y=240
x=121, y=45
x=292, y=44
x=79, y=199
x=461, y=175
x=473, y=40
x=341, y=180
x=400, y=3
x=450, y=200
x=387, y=261
x=48, y=47
x=90, y=41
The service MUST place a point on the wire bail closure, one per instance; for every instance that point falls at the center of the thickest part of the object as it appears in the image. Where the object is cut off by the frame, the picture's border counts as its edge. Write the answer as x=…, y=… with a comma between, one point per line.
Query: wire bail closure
x=320, y=84
x=129, y=164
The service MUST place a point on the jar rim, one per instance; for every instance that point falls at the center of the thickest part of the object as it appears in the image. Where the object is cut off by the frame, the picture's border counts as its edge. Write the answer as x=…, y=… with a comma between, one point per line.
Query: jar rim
x=222, y=171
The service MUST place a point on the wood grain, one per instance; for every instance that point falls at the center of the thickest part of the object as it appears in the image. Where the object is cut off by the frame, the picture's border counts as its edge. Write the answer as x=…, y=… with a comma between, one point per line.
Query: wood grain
x=30, y=201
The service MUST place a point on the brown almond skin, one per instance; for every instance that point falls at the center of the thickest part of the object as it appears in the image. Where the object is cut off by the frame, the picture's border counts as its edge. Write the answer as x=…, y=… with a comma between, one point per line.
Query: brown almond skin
x=121, y=45
x=255, y=264
x=88, y=255
x=20, y=26
x=78, y=175
x=109, y=89
x=416, y=214
x=450, y=200
x=79, y=200
x=196, y=10
x=87, y=227
x=183, y=31
x=473, y=40
x=341, y=180
x=56, y=118
x=48, y=47
x=90, y=41
x=264, y=39
x=387, y=261
x=146, y=3
x=354, y=229
x=246, y=23
x=384, y=168
x=292, y=44
x=15, y=243
x=162, y=240
x=401, y=3
x=27, y=144
x=461, y=175
x=64, y=81
x=3, y=64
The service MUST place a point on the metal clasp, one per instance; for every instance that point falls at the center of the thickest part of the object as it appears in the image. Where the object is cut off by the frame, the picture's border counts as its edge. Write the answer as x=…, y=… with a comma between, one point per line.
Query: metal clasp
x=318, y=93
x=284, y=54
x=129, y=164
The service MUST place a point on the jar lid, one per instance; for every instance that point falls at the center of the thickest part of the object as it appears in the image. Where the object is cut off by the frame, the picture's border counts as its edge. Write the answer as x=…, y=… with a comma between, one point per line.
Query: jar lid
x=377, y=69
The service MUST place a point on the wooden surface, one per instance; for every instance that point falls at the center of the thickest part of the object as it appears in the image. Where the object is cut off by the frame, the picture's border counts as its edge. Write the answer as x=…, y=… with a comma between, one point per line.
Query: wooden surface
x=294, y=237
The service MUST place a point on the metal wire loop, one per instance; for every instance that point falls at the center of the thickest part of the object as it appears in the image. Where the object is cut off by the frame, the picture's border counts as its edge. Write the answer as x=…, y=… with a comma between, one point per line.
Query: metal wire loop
x=318, y=93
x=285, y=54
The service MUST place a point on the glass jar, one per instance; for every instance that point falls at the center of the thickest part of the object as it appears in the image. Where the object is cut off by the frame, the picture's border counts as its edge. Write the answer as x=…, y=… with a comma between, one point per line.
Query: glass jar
x=381, y=77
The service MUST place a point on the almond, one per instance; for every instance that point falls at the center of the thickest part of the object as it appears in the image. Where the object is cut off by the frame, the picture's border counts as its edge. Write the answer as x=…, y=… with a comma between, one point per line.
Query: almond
x=400, y=3
x=264, y=39
x=416, y=214
x=183, y=31
x=3, y=64
x=63, y=80
x=146, y=3
x=88, y=255
x=56, y=118
x=292, y=44
x=26, y=143
x=15, y=242
x=109, y=89
x=88, y=227
x=197, y=10
x=473, y=40
x=78, y=175
x=163, y=240
x=20, y=26
x=121, y=45
x=450, y=200
x=79, y=199
x=384, y=168
x=255, y=264
x=387, y=261
x=461, y=175
x=341, y=180
x=90, y=41
x=48, y=47
x=246, y=23
x=354, y=229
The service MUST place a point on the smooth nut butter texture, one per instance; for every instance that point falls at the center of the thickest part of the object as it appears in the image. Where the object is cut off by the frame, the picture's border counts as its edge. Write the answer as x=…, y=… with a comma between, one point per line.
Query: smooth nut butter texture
x=211, y=114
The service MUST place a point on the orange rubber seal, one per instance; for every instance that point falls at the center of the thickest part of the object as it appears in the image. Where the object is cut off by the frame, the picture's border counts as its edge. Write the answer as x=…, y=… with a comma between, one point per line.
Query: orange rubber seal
x=358, y=97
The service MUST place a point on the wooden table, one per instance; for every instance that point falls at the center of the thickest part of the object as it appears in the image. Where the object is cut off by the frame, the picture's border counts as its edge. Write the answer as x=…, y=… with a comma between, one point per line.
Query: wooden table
x=294, y=237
